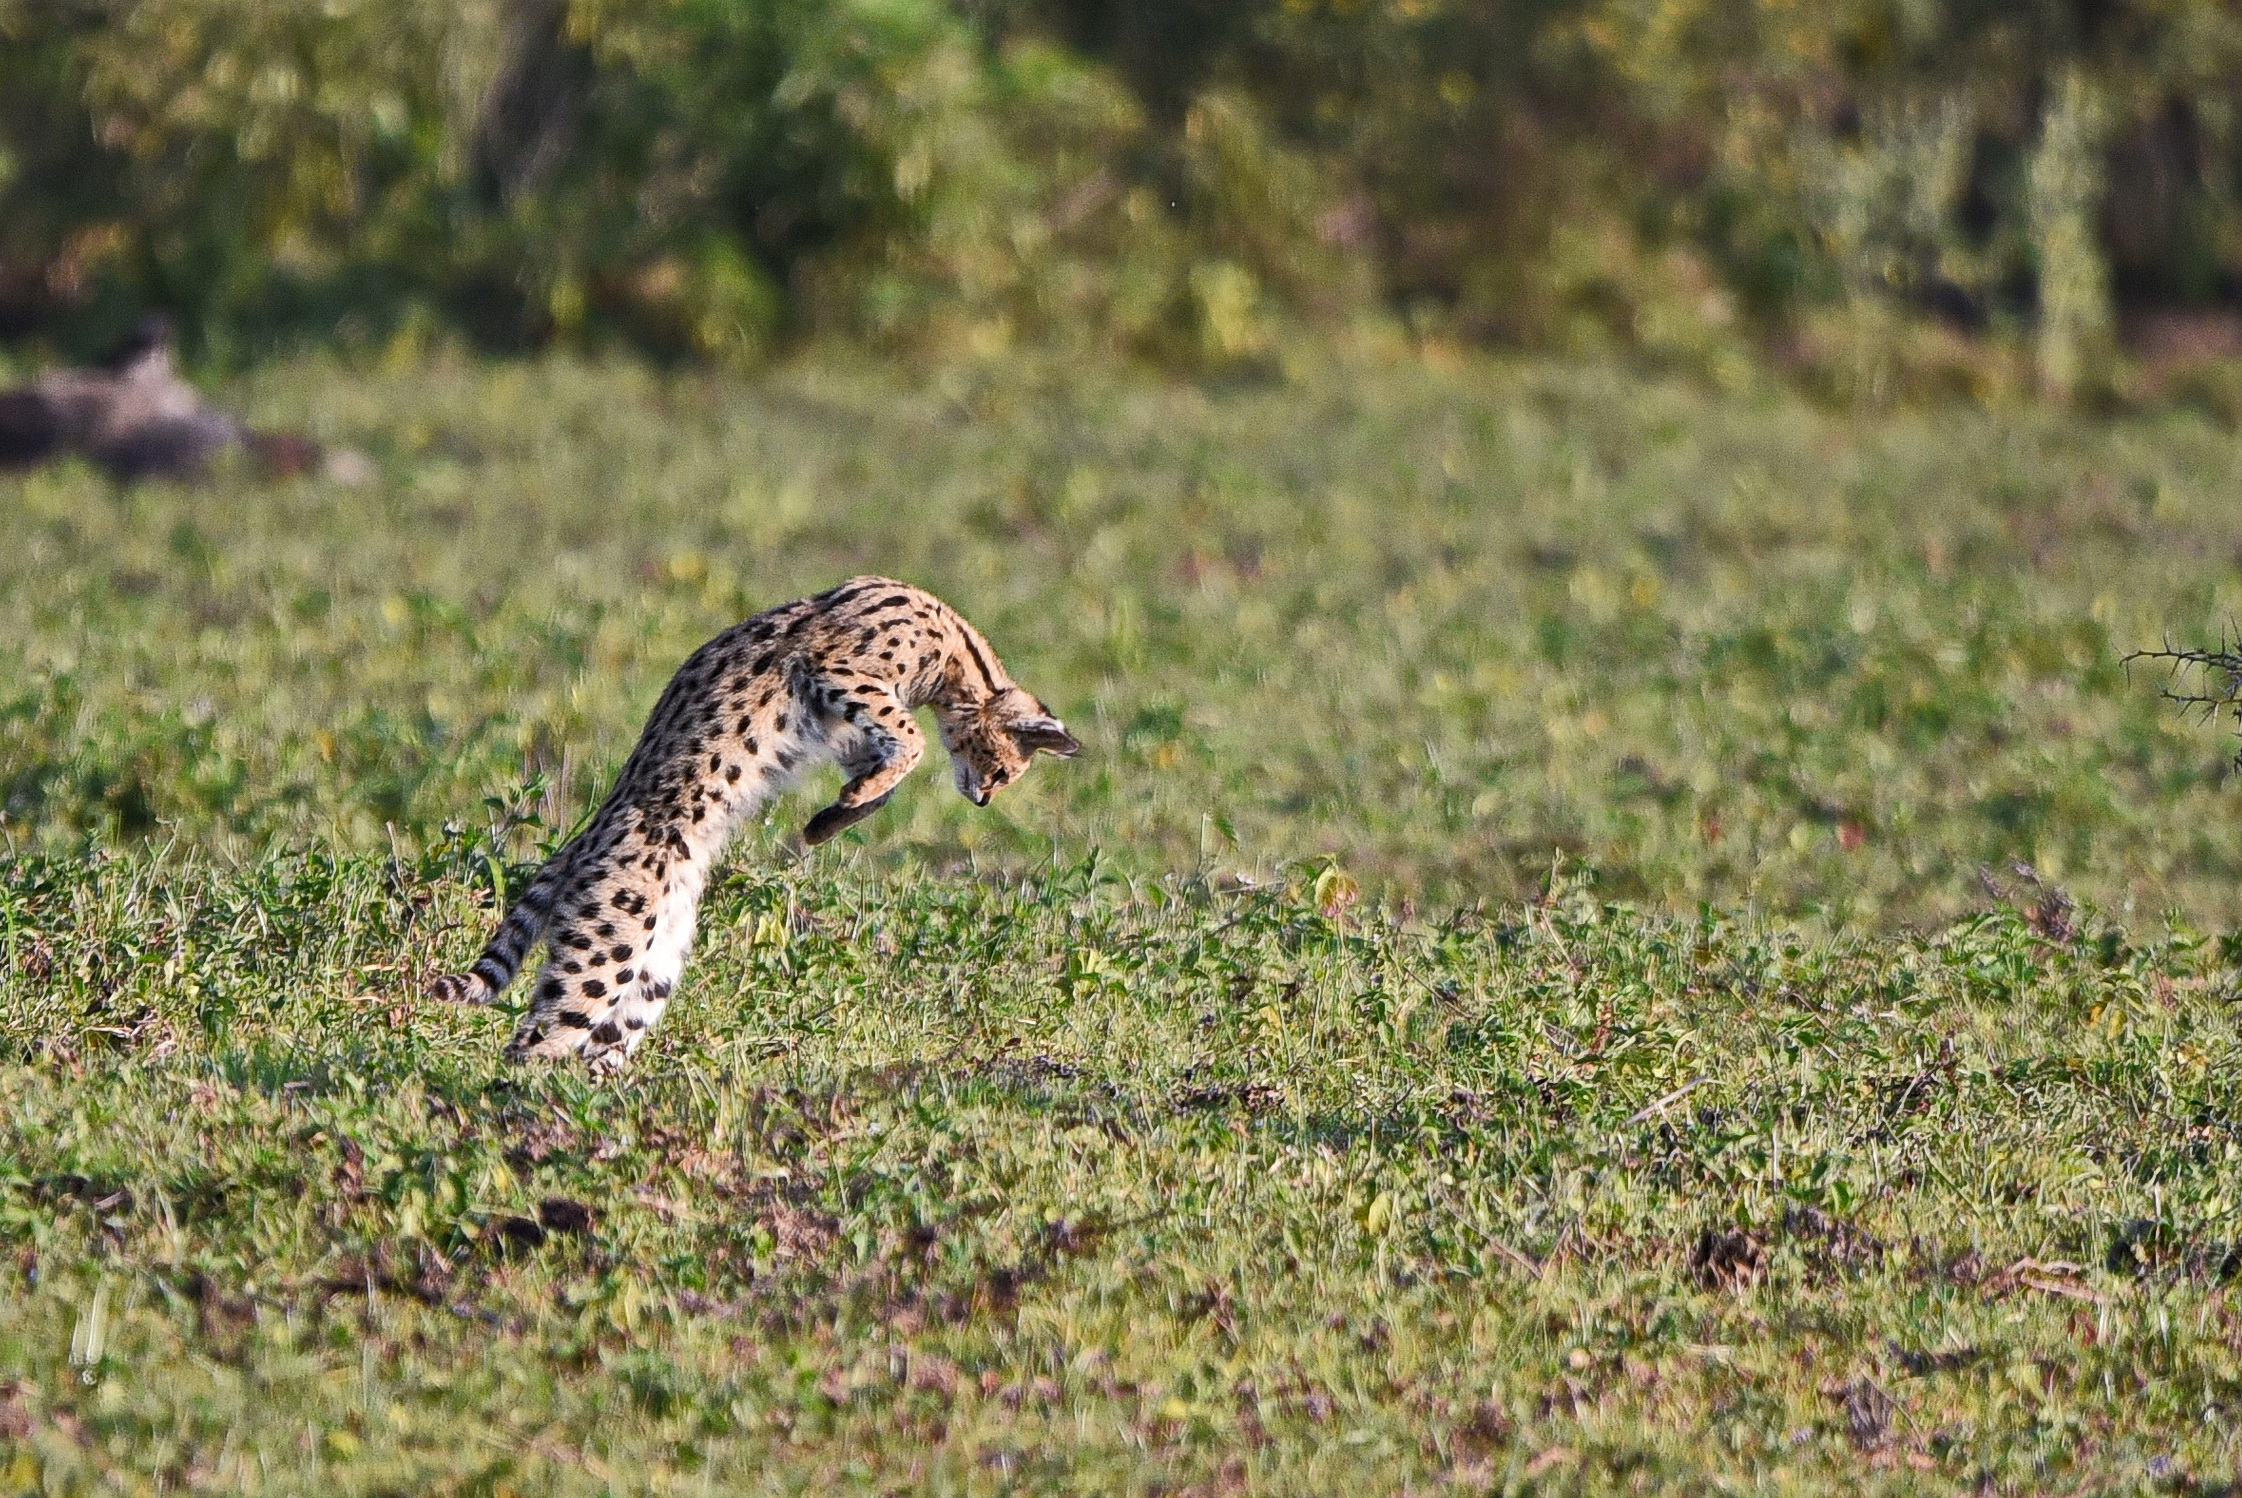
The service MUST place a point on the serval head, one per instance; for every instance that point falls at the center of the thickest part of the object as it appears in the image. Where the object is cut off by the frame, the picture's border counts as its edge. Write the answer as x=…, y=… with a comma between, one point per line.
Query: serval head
x=991, y=741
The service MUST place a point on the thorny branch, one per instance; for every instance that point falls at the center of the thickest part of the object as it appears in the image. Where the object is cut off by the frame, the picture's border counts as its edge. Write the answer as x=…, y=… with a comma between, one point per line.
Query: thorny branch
x=2218, y=672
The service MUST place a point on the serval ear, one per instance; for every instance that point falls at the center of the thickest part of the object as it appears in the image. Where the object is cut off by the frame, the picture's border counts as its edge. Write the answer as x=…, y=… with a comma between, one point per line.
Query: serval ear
x=1043, y=732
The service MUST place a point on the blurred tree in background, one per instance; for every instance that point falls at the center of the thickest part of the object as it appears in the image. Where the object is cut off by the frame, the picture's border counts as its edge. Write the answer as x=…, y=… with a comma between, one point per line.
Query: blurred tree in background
x=1887, y=196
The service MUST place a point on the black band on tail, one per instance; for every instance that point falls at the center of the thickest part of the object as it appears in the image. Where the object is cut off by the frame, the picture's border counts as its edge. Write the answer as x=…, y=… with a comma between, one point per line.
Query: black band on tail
x=502, y=959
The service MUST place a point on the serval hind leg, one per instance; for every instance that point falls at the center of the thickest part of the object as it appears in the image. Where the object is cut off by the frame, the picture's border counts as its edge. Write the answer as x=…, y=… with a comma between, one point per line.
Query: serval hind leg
x=611, y=1045
x=595, y=944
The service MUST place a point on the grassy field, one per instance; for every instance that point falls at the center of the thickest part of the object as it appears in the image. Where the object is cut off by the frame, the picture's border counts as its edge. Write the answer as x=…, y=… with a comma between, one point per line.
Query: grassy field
x=1441, y=625
x=1697, y=1098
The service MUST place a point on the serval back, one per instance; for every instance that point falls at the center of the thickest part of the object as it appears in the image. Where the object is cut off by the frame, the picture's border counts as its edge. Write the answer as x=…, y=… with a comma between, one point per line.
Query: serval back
x=832, y=677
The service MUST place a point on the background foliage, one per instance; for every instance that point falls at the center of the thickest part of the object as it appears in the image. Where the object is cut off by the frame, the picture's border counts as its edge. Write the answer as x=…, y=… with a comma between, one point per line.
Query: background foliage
x=1890, y=197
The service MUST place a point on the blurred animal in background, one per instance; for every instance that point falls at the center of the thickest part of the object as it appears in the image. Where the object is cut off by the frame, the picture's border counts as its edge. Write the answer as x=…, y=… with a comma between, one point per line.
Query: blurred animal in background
x=131, y=416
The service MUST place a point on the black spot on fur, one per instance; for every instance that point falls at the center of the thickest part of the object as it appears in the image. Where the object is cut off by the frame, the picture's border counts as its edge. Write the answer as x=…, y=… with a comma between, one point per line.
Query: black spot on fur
x=594, y=989
x=607, y=1034
x=571, y=1019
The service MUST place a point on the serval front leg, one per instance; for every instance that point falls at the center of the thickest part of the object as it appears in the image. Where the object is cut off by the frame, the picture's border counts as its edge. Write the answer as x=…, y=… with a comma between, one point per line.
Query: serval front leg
x=887, y=746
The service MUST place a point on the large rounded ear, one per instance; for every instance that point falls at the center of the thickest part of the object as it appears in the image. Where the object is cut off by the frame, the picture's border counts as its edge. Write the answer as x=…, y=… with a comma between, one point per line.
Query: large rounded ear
x=1044, y=733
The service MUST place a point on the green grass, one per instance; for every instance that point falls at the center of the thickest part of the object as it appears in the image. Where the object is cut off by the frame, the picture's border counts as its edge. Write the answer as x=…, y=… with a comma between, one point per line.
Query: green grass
x=1095, y=1143
x=1439, y=625
x=1060, y=1184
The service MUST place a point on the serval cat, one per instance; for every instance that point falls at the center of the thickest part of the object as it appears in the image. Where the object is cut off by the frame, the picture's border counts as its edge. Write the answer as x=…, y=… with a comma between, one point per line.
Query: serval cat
x=831, y=677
